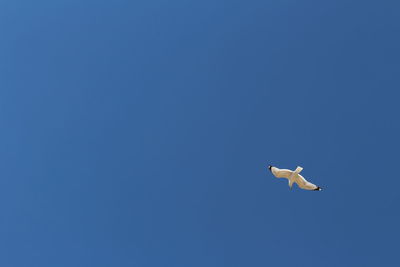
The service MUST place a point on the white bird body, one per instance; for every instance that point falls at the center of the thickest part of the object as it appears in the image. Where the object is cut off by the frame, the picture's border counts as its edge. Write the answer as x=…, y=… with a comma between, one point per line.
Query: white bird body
x=294, y=177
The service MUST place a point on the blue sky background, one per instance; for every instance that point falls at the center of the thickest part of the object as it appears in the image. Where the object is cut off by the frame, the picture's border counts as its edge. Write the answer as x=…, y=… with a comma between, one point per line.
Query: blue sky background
x=137, y=133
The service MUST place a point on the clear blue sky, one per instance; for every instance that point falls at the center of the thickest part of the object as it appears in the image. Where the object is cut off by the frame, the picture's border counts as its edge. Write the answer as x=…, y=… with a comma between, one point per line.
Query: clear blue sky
x=137, y=133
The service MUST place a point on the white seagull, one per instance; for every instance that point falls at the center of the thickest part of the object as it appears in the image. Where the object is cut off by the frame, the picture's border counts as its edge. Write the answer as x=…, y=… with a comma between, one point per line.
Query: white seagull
x=294, y=177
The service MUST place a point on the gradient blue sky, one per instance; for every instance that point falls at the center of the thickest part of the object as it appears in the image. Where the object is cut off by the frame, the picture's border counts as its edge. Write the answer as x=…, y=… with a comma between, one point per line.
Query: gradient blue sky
x=137, y=133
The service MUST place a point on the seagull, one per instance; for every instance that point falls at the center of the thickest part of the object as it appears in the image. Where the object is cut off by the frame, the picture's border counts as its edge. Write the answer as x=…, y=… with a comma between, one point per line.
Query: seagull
x=294, y=177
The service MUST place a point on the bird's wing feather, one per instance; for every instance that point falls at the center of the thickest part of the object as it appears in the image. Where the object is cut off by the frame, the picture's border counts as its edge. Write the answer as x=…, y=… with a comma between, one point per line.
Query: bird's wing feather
x=304, y=184
x=281, y=173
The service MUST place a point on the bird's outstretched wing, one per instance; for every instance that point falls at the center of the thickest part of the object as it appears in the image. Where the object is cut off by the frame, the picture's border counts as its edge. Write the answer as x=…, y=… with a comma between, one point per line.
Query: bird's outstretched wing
x=304, y=184
x=281, y=173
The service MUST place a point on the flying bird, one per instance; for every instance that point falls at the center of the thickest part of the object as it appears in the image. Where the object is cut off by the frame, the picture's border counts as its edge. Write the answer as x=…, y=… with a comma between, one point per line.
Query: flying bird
x=294, y=177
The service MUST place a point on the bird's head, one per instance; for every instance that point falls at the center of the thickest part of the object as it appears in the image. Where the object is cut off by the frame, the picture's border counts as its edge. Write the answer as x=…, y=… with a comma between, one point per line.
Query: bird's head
x=269, y=167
